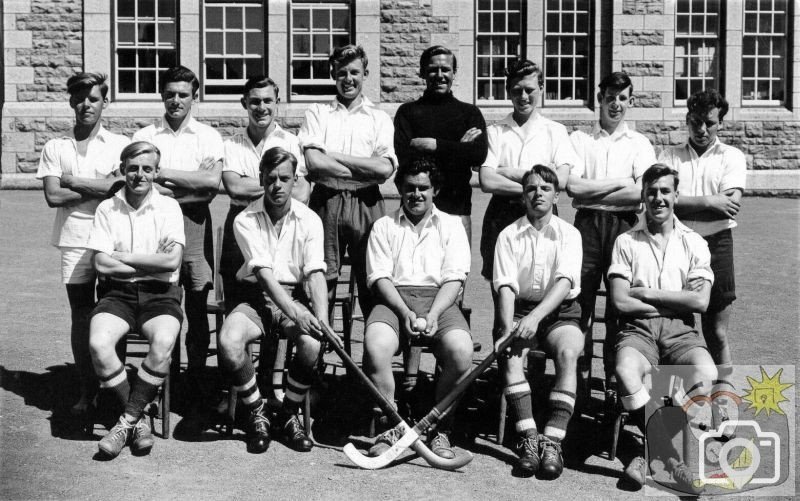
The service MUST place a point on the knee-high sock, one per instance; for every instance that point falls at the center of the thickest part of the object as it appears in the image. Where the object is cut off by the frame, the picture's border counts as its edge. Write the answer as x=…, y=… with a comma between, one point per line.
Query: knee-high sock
x=562, y=405
x=244, y=382
x=298, y=382
x=518, y=396
x=143, y=390
x=117, y=383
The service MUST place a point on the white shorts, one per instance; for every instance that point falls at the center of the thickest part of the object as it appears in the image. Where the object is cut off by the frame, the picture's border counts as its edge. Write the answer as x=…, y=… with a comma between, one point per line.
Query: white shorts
x=77, y=265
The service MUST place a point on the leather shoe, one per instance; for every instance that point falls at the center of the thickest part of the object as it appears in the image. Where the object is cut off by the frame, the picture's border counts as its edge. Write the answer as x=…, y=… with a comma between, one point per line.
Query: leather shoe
x=258, y=438
x=295, y=435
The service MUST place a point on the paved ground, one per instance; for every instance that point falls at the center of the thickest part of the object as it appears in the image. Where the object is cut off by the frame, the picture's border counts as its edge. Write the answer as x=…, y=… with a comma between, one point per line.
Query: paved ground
x=42, y=456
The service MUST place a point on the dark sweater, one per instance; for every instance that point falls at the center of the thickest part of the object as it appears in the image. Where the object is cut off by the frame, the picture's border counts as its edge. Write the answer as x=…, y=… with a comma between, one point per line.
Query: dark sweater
x=446, y=119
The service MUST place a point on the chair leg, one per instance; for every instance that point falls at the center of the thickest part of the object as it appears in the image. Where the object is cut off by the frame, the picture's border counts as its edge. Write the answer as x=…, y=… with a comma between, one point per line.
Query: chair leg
x=165, y=407
x=307, y=412
x=619, y=424
x=278, y=369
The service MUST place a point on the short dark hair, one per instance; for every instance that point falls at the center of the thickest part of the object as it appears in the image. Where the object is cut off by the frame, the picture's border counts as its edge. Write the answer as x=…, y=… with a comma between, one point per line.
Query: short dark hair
x=259, y=82
x=616, y=81
x=82, y=81
x=180, y=74
x=418, y=165
x=656, y=172
x=547, y=174
x=272, y=158
x=344, y=55
x=436, y=50
x=703, y=101
x=136, y=149
x=520, y=68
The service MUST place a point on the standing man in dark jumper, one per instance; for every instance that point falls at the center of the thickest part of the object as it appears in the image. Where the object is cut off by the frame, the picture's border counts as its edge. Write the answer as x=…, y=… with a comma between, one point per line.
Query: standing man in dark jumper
x=440, y=125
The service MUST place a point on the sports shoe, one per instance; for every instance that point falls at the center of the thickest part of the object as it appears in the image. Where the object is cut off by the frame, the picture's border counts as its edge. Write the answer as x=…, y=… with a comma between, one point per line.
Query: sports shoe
x=439, y=443
x=385, y=441
x=683, y=477
x=528, y=451
x=258, y=431
x=141, y=437
x=636, y=472
x=295, y=435
x=552, y=459
x=116, y=438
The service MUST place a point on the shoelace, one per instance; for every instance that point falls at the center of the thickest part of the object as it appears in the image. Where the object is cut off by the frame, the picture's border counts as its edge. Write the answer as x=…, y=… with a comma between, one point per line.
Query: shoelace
x=440, y=440
x=528, y=444
x=550, y=447
x=391, y=436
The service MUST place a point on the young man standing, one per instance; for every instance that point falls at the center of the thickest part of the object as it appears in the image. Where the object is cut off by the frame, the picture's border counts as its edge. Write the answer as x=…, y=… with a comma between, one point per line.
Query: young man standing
x=281, y=240
x=713, y=176
x=660, y=277
x=138, y=240
x=417, y=261
x=191, y=166
x=240, y=172
x=439, y=125
x=348, y=149
x=536, y=274
x=77, y=174
x=606, y=189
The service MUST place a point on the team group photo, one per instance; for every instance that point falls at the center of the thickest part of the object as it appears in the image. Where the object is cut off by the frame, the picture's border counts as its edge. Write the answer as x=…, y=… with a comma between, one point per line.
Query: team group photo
x=545, y=265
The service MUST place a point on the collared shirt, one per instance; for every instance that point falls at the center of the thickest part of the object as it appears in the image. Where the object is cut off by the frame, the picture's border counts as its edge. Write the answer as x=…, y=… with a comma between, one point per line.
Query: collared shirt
x=539, y=141
x=183, y=149
x=638, y=258
x=364, y=131
x=243, y=157
x=431, y=253
x=530, y=261
x=292, y=254
x=625, y=153
x=121, y=228
x=719, y=169
x=63, y=156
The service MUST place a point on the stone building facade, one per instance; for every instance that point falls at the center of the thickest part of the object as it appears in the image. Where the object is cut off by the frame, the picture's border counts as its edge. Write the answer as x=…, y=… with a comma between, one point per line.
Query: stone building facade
x=749, y=50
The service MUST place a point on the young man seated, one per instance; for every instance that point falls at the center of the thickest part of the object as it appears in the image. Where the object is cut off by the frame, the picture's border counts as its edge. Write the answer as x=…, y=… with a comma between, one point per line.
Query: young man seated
x=138, y=241
x=417, y=261
x=536, y=276
x=660, y=277
x=282, y=244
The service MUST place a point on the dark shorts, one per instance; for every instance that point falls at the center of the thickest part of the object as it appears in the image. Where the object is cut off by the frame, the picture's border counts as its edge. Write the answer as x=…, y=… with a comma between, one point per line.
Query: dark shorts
x=500, y=212
x=723, y=291
x=262, y=311
x=419, y=300
x=230, y=260
x=198, y=254
x=568, y=313
x=138, y=302
x=660, y=339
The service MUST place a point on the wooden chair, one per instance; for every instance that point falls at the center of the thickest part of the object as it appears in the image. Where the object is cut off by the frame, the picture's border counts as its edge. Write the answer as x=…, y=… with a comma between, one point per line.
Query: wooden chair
x=216, y=304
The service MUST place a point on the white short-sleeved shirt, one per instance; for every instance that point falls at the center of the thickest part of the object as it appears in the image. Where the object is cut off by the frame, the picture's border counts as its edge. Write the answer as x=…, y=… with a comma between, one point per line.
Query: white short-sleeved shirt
x=431, y=253
x=638, y=258
x=539, y=141
x=364, y=131
x=63, y=156
x=625, y=153
x=719, y=169
x=293, y=254
x=185, y=148
x=530, y=261
x=121, y=228
x=243, y=157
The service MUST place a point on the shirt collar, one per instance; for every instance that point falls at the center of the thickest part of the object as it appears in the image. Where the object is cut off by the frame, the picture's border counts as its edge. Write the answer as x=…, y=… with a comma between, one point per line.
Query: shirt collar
x=120, y=194
x=102, y=134
x=400, y=216
x=189, y=125
x=259, y=207
x=524, y=225
x=679, y=227
x=363, y=106
x=622, y=130
x=509, y=121
x=277, y=132
x=717, y=143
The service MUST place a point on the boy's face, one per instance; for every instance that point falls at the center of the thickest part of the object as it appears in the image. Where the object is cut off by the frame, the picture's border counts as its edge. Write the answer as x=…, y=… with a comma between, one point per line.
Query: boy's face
x=349, y=78
x=260, y=104
x=139, y=173
x=613, y=105
x=659, y=199
x=539, y=196
x=278, y=184
x=178, y=98
x=88, y=105
x=703, y=129
x=416, y=194
x=439, y=74
x=524, y=93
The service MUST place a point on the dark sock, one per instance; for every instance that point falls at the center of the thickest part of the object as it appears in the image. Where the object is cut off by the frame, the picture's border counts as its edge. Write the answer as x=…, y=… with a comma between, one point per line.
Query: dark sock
x=144, y=390
x=520, y=407
x=244, y=382
x=117, y=383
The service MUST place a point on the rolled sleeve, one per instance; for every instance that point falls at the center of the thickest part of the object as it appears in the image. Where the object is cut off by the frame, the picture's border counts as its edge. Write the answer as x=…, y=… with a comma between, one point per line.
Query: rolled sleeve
x=233, y=159
x=313, y=250
x=577, y=139
x=384, y=144
x=700, y=259
x=621, y=260
x=311, y=133
x=49, y=164
x=101, y=237
x=505, y=271
x=564, y=152
x=645, y=157
x=570, y=259
x=457, y=258
x=254, y=251
x=734, y=174
x=379, y=256
x=173, y=225
x=493, y=154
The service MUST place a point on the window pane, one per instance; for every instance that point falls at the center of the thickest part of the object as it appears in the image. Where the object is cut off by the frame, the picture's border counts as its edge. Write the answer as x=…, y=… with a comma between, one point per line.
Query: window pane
x=763, y=90
x=749, y=46
x=483, y=90
x=214, y=43
x=680, y=89
x=166, y=8
x=126, y=58
x=763, y=68
x=233, y=43
x=748, y=67
x=126, y=33
x=567, y=24
x=127, y=81
x=566, y=89
x=566, y=68
x=147, y=58
x=300, y=19
x=167, y=58
x=483, y=67
x=301, y=69
x=254, y=43
x=499, y=23
x=300, y=45
x=147, y=33
x=233, y=18
x=320, y=69
x=514, y=22
x=147, y=8
x=254, y=19
x=498, y=90
x=750, y=23
x=214, y=68
x=765, y=23
x=341, y=40
x=321, y=19
x=764, y=45
x=340, y=20
x=552, y=23
x=254, y=67
x=166, y=34
x=214, y=17
x=235, y=68
x=321, y=44
x=484, y=23
x=147, y=82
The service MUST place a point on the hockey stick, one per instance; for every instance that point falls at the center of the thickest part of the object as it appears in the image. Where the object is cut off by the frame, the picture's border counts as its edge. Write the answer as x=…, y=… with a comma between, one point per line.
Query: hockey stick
x=412, y=435
x=410, y=438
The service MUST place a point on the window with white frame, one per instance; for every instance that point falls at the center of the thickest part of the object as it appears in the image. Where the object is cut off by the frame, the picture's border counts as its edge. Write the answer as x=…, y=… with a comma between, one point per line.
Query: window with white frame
x=697, y=51
x=233, y=38
x=316, y=29
x=568, y=51
x=498, y=42
x=145, y=45
x=764, y=52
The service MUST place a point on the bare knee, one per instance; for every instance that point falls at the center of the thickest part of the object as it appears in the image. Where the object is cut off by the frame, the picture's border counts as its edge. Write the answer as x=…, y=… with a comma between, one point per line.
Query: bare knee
x=161, y=346
x=567, y=358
